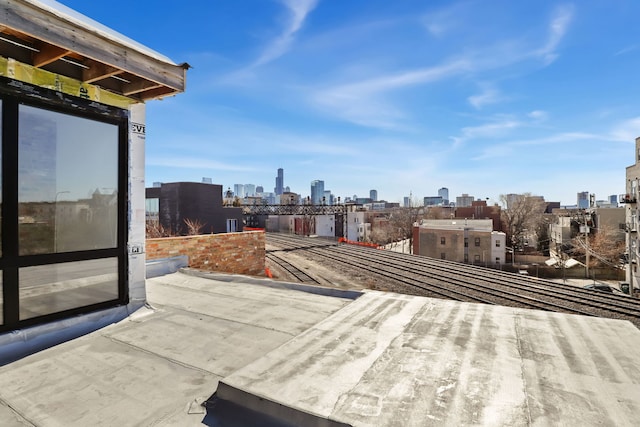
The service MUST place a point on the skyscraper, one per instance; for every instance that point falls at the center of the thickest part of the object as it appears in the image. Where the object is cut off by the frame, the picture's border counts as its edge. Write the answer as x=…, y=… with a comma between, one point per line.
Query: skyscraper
x=249, y=190
x=373, y=195
x=583, y=200
x=317, y=191
x=464, y=201
x=238, y=190
x=444, y=193
x=279, y=182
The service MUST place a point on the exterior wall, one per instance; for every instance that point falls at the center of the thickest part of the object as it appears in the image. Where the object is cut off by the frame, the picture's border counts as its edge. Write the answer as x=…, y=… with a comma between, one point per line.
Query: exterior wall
x=325, y=225
x=611, y=218
x=498, y=245
x=631, y=218
x=180, y=201
x=480, y=210
x=560, y=232
x=354, y=220
x=236, y=253
x=460, y=244
x=137, y=229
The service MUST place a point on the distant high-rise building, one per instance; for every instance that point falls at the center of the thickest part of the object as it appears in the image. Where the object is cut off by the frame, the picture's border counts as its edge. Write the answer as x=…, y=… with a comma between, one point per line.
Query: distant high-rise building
x=280, y=182
x=464, y=201
x=583, y=200
x=433, y=201
x=259, y=189
x=328, y=197
x=373, y=195
x=287, y=189
x=406, y=202
x=444, y=193
x=249, y=190
x=613, y=199
x=317, y=191
x=206, y=180
x=238, y=190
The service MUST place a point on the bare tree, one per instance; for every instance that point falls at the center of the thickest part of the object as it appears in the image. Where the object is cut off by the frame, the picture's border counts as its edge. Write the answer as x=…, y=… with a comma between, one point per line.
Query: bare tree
x=605, y=247
x=155, y=230
x=402, y=220
x=194, y=227
x=520, y=213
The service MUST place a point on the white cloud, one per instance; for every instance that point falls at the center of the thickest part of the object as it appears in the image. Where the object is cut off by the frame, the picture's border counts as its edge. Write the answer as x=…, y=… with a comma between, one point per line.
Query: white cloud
x=299, y=10
x=194, y=163
x=538, y=115
x=490, y=130
x=445, y=20
x=488, y=96
x=362, y=102
x=557, y=29
x=508, y=148
x=627, y=130
x=626, y=50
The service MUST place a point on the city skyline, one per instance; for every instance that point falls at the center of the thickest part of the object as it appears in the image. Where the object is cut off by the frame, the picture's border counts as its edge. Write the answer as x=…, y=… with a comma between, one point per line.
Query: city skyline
x=583, y=198
x=509, y=97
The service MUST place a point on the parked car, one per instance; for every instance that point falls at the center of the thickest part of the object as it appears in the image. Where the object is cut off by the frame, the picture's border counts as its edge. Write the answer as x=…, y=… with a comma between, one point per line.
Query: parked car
x=603, y=287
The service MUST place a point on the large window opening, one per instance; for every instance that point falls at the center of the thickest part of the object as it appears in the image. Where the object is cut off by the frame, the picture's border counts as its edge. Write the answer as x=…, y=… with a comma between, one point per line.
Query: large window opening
x=63, y=211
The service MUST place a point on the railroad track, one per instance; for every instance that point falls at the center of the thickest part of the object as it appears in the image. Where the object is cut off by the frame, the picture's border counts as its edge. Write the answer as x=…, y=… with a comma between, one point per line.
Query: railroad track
x=290, y=268
x=462, y=282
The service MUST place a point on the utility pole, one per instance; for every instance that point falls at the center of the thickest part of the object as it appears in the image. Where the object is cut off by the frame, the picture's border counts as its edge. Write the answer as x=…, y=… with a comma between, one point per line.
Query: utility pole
x=586, y=242
x=630, y=250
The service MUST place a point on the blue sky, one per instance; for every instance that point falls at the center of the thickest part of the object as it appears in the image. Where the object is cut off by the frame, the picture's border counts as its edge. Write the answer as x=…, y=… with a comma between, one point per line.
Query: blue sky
x=482, y=97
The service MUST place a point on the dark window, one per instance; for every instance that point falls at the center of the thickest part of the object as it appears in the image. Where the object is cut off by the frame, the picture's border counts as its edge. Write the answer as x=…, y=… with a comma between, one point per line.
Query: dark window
x=477, y=241
x=497, y=243
x=476, y=258
x=466, y=257
x=442, y=240
x=466, y=242
x=64, y=186
x=443, y=255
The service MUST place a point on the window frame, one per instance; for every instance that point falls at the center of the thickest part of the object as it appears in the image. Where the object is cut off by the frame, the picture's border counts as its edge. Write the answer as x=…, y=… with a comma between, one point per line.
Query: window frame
x=13, y=94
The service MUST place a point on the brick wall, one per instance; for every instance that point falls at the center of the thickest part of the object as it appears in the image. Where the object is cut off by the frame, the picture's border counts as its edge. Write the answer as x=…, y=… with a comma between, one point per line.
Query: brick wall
x=240, y=253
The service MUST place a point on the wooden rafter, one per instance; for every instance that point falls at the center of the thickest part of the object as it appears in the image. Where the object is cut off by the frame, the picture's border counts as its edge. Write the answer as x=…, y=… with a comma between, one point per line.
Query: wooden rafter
x=56, y=37
x=136, y=87
x=47, y=54
x=98, y=71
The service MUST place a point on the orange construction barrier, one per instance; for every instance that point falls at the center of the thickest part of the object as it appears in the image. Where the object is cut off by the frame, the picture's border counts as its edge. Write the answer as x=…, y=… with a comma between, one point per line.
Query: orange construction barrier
x=351, y=242
x=268, y=273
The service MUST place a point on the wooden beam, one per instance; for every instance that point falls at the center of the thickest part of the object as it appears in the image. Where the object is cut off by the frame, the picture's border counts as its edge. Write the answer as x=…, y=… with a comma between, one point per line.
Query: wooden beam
x=44, y=24
x=132, y=88
x=158, y=93
x=98, y=71
x=48, y=54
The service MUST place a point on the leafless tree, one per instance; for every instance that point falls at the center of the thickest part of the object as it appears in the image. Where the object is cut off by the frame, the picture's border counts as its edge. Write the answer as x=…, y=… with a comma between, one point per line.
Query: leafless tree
x=604, y=246
x=155, y=230
x=520, y=213
x=402, y=220
x=194, y=227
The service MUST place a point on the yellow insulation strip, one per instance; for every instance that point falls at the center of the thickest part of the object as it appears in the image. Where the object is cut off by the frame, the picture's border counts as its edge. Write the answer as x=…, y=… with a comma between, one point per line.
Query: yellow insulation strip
x=36, y=76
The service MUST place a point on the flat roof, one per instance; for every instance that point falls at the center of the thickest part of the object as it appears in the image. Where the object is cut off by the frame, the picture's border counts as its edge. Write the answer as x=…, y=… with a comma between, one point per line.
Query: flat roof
x=287, y=353
x=53, y=37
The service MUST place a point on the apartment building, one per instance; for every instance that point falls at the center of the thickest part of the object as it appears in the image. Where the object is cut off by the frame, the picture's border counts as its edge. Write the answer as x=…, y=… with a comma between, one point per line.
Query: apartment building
x=461, y=240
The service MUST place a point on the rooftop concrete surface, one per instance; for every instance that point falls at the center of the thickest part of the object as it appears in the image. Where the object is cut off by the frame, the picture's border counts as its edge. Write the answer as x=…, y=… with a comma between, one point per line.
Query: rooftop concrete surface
x=286, y=354
x=158, y=366
x=397, y=360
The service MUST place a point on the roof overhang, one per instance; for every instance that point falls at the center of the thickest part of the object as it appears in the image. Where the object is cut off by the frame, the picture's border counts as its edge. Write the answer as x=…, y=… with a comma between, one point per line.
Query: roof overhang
x=52, y=37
